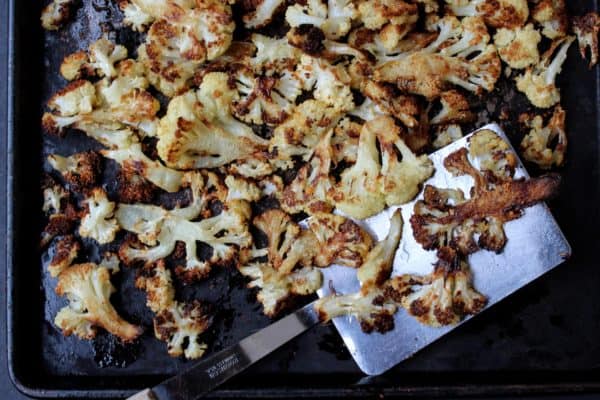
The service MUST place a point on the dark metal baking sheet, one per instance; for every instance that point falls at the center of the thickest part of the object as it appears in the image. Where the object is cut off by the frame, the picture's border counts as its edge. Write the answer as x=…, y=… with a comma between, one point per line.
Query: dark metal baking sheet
x=542, y=339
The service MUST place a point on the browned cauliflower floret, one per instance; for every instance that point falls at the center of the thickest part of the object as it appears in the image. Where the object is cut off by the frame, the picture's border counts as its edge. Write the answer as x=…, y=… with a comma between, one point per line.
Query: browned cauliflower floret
x=334, y=17
x=518, y=47
x=341, y=240
x=344, y=142
x=497, y=13
x=552, y=16
x=537, y=146
x=273, y=55
x=62, y=215
x=393, y=18
x=586, y=28
x=493, y=154
x=199, y=131
x=288, y=244
x=80, y=170
x=310, y=188
x=66, y=250
x=455, y=109
x=377, y=266
x=445, y=218
x=258, y=13
x=56, y=14
x=444, y=297
x=539, y=81
x=100, y=61
x=446, y=134
x=176, y=323
x=88, y=288
x=382, y=99
x=98, y=221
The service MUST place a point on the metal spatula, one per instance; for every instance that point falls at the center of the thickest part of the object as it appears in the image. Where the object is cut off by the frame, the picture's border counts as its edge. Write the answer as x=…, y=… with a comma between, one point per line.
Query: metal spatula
x=535, y=245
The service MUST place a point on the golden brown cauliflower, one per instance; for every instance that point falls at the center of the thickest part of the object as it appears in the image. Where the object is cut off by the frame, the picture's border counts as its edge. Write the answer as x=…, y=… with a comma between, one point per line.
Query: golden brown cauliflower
x=518, y=47
x=586, y=28
x=98, y=221
x=552, y=16
x=65, y=250
x=537, y=147
x=496, y=13
x=56, y=14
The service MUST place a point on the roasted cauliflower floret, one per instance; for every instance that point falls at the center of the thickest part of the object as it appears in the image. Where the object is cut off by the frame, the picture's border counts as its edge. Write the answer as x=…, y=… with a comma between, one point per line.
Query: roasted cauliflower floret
x=518, y=47
x=80, y=170
x=273, y=55
x=552, y=16
x=159, y=229
x=586, y=28
x=66, y=250
x=78, y=97
x=394, y=19
x=357, y=194
x=455, y=109
x=98, y=221
x=309, y=191
x=537, y=146
x=344, y=142
x=288, y=245
x=56, y=14
x=445, y=218
x=493, y=154
x=199, y=131
x=62, y=215
x=539, y=82
x=88, y=288
x=444, y=297
x=260, y=13
x=334, y=18
x=54, y=196
x=378, y=264
x=341, y=240
x=372, y=309
x=446, y=134
x=386, y=100
x=400, y=179
x=100, y=61
x=241, y=189
x=155, y=279
x=496, y=13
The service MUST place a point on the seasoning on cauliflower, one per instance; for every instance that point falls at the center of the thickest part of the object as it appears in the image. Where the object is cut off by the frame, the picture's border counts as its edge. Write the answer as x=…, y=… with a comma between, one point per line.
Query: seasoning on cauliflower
x=66, y=250
x=199, y=131
x=445, y=218
x=258, y=13
x=377, y=266
x=80, y=170
x=88, y=288
x=446, y=134
x=341, y=240
x=455, y=109
x=496, y=13
x=56, y=14
x=103, y=55
x=98, y=221
x=552, y=16
x=539, y=82
x=159, y=229
x=334, y=18
x=443, y=297
x=586, y=28
x=518, y=47
x=176, y=323
x=537, y=146
x=493, y=154
x=309, y=191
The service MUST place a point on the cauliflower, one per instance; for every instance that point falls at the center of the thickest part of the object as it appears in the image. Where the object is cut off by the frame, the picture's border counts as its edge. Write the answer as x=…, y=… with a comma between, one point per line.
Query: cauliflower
x=445, y=218
x=400, y=179
x=174, y=321
x=552, y=16
x=159, y=229
x=357, y=194
x=56, y=14
x=276, y=290
x=288, y=245
x=300, y=134
x=455, y=109
x=260, y=13
x=88, y=288
x=310, y=188
x=536, y=145
x=251, y=168
x=183, y=38
x=539, y=82
x=273, y=55
x=372, y=309
x=53, y=199
x=199, y=131
x=62, y=213
x=78, y=97
x=385, y=101
x=586, y=28
x=80, y=170
x=446, y=134
x=241, y=189
x=103, y=55
x=344, y=142
x=334, y=18
x=394, y=19
x=442, y=298
x=341, y=240
x=66, y=250
x=265, y=99
x=493, y=154
x=98, y=222
x=496, y=13
x=518, y=47
x=377, y=266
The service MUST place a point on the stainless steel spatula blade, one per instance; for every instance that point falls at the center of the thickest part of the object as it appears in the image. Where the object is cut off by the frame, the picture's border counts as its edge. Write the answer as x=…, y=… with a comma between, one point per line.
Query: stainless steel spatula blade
x=535, y=245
